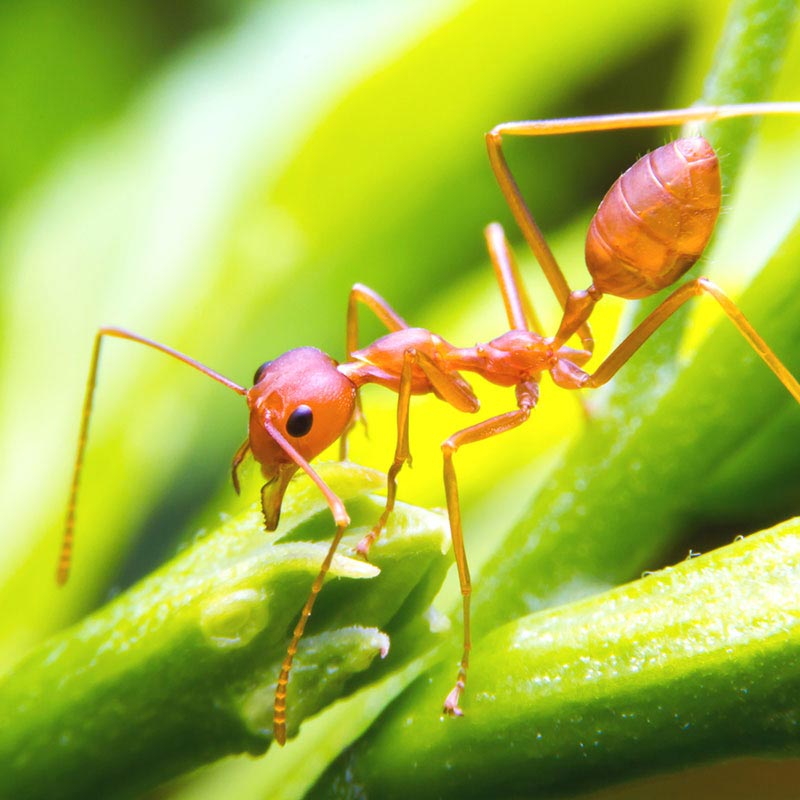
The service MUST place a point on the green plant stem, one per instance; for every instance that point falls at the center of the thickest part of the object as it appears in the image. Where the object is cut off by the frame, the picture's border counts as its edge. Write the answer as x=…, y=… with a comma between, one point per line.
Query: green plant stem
x=692, y=664
x=181, y=670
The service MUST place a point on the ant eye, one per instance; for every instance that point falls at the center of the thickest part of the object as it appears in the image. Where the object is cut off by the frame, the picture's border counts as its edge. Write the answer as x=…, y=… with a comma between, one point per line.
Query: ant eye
x=260, y=372
x=300, y=421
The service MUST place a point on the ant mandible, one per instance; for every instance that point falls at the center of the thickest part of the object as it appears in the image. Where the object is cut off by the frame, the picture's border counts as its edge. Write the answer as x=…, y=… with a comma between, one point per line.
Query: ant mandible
x=650, y=228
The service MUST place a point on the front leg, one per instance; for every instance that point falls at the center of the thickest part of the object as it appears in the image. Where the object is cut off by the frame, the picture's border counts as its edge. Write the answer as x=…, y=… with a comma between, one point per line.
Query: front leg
x=342, y=520
x=390, y=318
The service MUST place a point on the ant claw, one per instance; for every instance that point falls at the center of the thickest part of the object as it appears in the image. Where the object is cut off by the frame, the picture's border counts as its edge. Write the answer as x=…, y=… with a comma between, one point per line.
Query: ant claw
x=362, y=548
x=451, y=707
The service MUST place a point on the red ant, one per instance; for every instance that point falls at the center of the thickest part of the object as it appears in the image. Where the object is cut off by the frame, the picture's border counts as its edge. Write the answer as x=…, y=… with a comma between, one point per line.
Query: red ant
x=651, y=227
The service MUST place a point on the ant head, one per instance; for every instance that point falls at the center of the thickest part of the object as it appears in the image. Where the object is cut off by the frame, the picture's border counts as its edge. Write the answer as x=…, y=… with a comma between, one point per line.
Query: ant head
x=305, y=397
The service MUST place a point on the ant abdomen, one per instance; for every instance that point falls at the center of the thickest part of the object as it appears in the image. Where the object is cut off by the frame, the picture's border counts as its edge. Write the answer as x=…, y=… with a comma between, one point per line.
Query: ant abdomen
x=656, y=220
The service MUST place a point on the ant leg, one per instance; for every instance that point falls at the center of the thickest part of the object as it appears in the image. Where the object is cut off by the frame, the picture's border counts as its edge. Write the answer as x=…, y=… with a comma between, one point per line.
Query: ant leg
x=65, y=558
x=389, y=317
x=452, y=388
x=578, y=309
x=661, y=313
x=342, y=520
x=238, y=457
x=518, y=306
x=401, y=451
x=530, y=230
x=375, y=303
x=279, y=707
x=527, y=395
x=519, y=310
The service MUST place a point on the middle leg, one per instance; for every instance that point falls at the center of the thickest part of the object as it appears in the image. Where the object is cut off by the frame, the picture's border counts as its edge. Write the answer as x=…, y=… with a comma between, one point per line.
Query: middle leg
x=451, y=388
x=401, y=452
x=527, y=396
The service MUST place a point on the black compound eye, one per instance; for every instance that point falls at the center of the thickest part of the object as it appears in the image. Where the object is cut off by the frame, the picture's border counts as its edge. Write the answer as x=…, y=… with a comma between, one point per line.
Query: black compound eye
x=260, y=372
x=300, y=421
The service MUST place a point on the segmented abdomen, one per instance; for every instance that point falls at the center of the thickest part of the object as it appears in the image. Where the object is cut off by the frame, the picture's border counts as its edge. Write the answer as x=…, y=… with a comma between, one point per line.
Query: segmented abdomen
x=656, y=219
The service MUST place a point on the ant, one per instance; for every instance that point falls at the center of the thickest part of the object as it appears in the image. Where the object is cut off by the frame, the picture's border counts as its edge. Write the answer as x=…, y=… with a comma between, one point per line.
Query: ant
x=650, y=228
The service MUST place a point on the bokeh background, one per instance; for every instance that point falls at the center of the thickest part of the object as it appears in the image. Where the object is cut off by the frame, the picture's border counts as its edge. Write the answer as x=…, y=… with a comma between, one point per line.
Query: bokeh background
x=217, y=175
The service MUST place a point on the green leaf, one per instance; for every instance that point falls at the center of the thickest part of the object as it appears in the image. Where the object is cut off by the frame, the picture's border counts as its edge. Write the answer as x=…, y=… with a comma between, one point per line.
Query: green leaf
x=691, y=664
x=181, y=670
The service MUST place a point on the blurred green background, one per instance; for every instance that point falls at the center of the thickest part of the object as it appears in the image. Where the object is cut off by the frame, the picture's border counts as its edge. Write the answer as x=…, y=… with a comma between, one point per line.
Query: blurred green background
x=217, y=175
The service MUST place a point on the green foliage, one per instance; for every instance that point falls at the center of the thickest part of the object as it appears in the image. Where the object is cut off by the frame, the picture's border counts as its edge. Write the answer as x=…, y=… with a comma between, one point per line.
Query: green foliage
x=639, y=679
x=257, y=173
x=189, y=658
